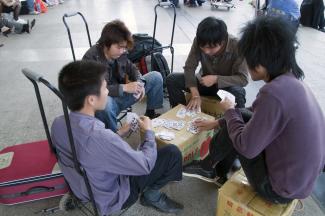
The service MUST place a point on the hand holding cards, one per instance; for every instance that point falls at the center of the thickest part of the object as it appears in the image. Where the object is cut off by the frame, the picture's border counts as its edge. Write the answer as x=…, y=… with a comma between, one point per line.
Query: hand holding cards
x=139, y=91
x=132, y=119
x=224, y=94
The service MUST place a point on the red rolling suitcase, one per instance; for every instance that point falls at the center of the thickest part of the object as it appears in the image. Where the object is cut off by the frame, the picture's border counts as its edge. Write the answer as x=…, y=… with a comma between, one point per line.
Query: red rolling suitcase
x=29, y=172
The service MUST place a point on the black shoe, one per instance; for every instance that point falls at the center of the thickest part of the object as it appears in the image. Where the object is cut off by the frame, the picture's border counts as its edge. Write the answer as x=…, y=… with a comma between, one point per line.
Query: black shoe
x=152, y=115
x=195, y=170
x=219, y=181
x=32, y=23
x=322, y=29
x=164, y=204
x=26, y=27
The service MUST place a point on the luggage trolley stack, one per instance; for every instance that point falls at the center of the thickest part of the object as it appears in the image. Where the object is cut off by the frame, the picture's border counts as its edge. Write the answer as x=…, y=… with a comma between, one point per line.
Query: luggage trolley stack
x=68, y=15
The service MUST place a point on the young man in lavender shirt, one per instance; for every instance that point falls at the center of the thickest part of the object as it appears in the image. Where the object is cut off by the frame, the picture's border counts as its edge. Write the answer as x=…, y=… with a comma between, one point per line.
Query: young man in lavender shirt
x=117, y=173
x=280, y=140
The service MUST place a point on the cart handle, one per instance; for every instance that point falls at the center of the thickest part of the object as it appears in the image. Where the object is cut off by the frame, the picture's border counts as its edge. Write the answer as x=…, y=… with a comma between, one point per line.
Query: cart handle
x=162, y=4
x=32, y=75
x=71, y=14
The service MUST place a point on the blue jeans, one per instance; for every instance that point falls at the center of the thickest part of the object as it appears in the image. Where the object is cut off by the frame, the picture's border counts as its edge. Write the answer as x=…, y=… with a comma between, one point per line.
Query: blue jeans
x=30, y=5
x=114, y=105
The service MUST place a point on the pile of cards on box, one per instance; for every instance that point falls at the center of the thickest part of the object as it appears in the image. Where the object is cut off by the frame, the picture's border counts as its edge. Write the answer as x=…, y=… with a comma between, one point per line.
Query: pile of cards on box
x=182, y=112
x=166, y=135
x=168, y=123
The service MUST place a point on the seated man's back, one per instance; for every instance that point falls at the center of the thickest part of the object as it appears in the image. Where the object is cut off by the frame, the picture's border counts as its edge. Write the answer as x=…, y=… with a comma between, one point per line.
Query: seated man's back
x=107, y=159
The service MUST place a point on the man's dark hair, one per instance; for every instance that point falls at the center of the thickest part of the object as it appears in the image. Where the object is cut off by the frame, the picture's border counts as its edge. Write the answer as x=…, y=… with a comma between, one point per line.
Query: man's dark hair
x=211, y=31
x=270, y=42
x=79, y=79
x=115, y=32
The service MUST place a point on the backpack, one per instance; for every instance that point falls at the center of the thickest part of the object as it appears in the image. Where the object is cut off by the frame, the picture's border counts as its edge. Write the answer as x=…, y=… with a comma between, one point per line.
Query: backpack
x=154, y=62
x=142, y=47
x=146, y=59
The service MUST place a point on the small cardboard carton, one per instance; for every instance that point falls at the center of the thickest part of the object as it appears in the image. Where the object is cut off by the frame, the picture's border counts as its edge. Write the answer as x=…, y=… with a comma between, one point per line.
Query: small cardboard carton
x=210, y=105
x=237, y=198
x=192, y=146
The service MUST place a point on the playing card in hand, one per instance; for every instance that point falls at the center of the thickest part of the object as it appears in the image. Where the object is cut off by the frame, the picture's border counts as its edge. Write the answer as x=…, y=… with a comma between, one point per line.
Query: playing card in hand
x=132, y=119
x=224, y=94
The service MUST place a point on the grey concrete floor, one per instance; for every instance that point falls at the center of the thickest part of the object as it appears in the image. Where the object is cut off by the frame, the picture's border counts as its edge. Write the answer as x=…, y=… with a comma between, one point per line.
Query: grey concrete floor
x=47, y=49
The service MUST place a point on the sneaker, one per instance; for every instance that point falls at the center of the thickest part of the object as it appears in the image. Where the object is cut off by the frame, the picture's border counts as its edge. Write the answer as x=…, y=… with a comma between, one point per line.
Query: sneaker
x=219, y=181
x=34, y=13
x=164, y=204
x=152, y=115
x=195, y=170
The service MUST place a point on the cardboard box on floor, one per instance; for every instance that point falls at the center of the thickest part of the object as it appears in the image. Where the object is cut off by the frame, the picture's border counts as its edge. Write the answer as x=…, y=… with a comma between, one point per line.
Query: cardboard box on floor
x=237, y=198
x=192, y=146
x=210, y=105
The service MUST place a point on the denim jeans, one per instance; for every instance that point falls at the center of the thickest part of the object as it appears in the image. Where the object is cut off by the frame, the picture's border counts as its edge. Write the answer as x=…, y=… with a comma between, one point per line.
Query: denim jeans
x=176, y=85
x=114, y=105
x=30, y=5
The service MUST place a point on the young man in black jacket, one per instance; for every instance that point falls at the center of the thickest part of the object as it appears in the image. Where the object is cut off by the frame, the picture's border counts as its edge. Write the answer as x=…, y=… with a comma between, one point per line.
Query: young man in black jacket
x=125, y=83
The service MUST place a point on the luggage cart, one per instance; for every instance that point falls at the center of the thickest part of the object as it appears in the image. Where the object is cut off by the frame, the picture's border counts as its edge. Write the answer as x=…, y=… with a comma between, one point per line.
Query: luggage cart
x=216, y=4
x=170, y=45
x=35, y=79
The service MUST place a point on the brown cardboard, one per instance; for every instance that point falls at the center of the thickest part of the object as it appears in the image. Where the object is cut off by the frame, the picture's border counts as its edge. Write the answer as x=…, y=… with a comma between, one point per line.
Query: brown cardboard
x=237, y=198
x=210, y=105
x=189, y=144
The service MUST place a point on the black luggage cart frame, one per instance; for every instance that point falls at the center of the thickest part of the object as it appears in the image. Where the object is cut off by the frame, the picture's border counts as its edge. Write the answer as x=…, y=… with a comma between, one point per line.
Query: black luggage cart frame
x=35, y=79
x=170, y=46
x=67, y=15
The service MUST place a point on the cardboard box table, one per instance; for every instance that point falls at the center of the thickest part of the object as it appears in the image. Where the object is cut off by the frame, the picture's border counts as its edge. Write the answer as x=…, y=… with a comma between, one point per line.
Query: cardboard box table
x=192, y=146
x=210, y=105
x=237, y=198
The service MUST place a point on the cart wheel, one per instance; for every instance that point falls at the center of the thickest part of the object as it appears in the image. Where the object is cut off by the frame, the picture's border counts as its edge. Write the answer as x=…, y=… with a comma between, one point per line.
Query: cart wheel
x=67, y=202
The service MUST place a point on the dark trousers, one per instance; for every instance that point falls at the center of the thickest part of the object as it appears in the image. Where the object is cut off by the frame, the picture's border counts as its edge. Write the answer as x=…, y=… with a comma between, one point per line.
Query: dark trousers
x=16, y=10
x=176, y=86
x=222, y=153
x=168, y=168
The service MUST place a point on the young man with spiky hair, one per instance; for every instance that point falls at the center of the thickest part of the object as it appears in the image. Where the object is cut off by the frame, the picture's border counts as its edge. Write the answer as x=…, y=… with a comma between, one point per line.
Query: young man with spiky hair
x=280, y=140
x=117, y=173
x=221, y=67
x=124, y=81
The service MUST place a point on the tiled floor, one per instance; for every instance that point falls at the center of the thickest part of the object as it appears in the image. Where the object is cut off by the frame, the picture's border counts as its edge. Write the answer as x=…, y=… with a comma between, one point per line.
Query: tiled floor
x=47, y=49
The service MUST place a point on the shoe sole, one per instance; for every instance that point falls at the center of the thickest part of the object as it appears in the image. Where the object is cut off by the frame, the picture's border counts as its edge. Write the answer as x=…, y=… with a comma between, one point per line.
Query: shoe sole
x=214, y=180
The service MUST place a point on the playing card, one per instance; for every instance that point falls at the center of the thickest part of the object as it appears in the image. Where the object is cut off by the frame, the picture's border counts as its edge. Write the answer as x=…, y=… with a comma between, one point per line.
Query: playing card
x=181, y=113
x=132, y=119
x=137, y=96
x=157, y=122
x=168, y=124
x=224, y=94
x=192, y=128
x=179, y=125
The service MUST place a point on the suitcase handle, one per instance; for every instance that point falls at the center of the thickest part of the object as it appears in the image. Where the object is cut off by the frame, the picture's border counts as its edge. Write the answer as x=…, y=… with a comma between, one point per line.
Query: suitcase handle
x=37, y=189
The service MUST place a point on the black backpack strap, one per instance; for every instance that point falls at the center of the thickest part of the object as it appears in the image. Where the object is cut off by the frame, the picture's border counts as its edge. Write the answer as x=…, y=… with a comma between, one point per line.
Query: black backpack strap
x=159, y=63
